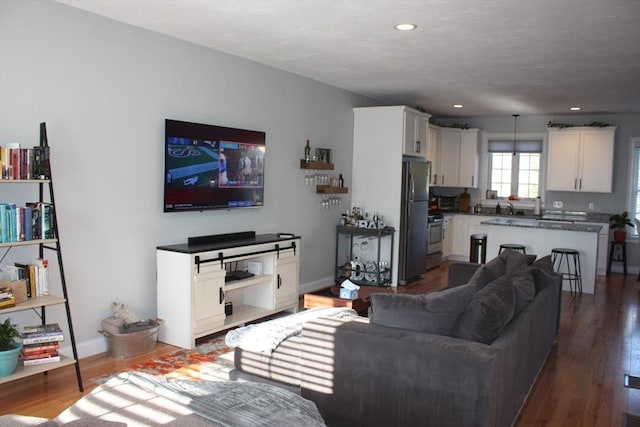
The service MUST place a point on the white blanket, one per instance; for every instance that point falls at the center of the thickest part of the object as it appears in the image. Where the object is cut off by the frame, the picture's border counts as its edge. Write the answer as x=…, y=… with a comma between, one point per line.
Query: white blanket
x=266, y=336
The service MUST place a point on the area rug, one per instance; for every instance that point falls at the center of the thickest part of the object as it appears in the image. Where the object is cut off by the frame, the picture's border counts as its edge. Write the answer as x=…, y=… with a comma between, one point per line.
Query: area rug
x=211, y=361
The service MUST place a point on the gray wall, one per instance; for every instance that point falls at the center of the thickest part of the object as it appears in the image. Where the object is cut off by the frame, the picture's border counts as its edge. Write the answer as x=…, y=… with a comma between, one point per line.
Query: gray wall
x=104, y=90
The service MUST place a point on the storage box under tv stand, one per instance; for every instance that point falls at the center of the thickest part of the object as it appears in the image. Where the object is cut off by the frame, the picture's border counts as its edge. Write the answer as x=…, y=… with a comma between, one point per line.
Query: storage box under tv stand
x=192, y=291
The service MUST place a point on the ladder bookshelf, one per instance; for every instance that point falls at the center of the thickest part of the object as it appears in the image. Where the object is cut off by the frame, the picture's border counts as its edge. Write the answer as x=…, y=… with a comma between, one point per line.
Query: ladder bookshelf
x=39, y=304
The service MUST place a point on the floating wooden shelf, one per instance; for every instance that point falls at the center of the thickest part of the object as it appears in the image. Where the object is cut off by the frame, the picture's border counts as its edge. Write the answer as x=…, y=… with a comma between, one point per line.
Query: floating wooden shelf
x=315, y=165
x=327, y=189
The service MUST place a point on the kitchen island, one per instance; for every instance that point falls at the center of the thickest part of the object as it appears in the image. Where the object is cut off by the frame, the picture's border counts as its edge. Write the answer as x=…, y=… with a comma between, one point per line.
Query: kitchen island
x=540, y=237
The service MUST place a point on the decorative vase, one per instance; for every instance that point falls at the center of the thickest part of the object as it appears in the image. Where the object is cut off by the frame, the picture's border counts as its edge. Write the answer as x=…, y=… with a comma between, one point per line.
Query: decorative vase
x=9, y=360
x=619, y=236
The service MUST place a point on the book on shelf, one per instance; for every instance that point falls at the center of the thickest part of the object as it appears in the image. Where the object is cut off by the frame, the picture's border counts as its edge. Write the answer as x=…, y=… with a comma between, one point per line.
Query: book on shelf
x=46, y=329
x=7, y=302
x=18, y=163
x=33, y=221
x=38, y=355
x=41, y=274
x=50, y=347
x=7, y=299
x=42, y=334
x=41, y=361
x=41, y=165
x=34, y=275
x=42, y=339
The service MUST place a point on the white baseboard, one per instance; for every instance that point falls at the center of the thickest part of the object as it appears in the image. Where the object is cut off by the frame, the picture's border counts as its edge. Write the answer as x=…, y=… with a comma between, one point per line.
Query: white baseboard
x=325, y=282
x=86, y=348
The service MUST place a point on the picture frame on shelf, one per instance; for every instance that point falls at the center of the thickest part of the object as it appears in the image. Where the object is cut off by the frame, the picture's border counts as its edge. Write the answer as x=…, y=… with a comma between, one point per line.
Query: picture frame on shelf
x=323, y=155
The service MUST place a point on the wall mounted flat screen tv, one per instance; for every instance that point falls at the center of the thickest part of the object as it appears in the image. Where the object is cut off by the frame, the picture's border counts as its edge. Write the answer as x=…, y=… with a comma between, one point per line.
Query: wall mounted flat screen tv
x=212, y=167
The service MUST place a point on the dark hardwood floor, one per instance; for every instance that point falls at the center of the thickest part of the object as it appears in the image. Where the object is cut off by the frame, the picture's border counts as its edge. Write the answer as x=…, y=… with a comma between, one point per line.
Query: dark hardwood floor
x=581, y=384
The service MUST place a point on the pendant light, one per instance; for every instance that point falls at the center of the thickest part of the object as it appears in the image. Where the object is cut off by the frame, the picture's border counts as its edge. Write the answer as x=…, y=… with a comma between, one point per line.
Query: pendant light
x=515, y=131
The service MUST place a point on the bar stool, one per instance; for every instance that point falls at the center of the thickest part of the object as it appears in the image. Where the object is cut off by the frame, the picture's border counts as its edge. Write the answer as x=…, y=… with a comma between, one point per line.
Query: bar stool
x=572, y=272
x=478, y=248
x=618, y=253
x=513, y=247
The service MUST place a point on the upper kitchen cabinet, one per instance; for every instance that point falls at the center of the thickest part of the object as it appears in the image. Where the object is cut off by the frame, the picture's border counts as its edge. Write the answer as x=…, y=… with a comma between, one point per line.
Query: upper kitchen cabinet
x=415, y=133
x=380, y=136
x=580, y=159
x=433, y=153
x=457, y=158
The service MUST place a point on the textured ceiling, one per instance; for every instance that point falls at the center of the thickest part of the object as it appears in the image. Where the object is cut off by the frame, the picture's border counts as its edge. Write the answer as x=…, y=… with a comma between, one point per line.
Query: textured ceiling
x=494, y=56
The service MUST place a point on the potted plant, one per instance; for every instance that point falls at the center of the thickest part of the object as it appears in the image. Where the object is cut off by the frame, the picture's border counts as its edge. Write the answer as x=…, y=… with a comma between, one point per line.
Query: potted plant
x=9, y=348
x=619, y=223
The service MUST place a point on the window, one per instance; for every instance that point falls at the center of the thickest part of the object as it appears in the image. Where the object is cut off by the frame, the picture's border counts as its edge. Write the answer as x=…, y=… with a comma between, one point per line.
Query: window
x=634, y=211
x=514, y=169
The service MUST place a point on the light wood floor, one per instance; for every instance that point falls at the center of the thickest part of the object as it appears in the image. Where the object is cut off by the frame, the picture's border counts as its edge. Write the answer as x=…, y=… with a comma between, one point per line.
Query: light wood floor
x=580, y=385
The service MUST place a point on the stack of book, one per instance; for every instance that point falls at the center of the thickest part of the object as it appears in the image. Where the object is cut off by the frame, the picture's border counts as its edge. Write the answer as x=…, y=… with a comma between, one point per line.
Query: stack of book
x=33, y=221
x=7, y=299
x=40, y=344
x=24, y=163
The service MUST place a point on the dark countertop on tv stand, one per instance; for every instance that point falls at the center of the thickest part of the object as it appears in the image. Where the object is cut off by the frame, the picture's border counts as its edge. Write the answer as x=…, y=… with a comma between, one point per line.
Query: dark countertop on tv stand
x=257, y=240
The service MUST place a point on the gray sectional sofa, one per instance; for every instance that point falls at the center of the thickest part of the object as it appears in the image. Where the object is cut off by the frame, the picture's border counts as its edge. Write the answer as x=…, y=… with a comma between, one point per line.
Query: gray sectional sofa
x=465, y=356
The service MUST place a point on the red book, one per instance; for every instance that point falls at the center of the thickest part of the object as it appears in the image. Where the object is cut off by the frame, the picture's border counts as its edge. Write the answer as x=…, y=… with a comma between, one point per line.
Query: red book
x=39, y=348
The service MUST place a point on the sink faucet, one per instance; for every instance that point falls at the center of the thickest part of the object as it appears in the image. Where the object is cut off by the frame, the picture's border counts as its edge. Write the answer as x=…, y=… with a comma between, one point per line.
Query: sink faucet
x=510, y=206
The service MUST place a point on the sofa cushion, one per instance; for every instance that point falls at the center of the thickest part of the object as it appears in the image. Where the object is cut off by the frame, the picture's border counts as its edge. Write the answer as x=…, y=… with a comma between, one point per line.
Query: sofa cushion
x=542, y=272
x=434, y=313
x=489, y=311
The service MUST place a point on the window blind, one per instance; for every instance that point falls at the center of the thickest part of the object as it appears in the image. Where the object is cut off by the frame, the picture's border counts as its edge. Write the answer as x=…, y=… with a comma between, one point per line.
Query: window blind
x=521, y=146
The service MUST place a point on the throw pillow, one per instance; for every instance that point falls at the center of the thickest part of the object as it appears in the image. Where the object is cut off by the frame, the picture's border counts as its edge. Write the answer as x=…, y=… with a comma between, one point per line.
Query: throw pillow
x=496, y=266
x=542, y=272
x=525, y=288
x=435, y=313
x=482, y=277
x=488, y=313
x=514, y=260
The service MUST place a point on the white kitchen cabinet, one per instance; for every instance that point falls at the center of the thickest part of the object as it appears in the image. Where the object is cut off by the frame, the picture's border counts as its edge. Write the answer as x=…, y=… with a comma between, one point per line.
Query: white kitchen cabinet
x=469, y=145
x=460, y=245
x=433, y=153
x=415, y=133
x=458, y=158
x=580, y=159
x=193, y=288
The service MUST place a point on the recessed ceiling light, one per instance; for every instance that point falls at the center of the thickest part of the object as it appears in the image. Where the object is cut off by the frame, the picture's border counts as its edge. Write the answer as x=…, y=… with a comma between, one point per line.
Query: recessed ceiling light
x=406, y=27
x=458, y=105
x=575, y=108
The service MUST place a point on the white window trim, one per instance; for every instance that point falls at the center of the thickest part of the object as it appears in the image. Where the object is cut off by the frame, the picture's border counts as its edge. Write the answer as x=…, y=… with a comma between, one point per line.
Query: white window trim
x=484, y=159
x=631, y=183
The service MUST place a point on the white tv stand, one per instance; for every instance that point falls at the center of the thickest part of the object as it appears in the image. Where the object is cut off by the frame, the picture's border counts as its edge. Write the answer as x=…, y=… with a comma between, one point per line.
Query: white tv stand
x=192, y=291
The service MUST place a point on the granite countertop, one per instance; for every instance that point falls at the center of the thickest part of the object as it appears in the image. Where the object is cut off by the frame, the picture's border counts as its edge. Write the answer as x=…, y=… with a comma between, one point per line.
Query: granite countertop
x=519, y=221
x=550, y=215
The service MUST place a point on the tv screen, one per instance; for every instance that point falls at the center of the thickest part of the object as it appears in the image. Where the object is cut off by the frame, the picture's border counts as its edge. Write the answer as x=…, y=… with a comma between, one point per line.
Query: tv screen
x=212, y=167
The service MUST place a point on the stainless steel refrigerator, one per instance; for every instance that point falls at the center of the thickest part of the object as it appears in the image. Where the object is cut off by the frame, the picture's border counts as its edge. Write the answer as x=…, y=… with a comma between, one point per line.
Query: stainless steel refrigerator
x=413, y=219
